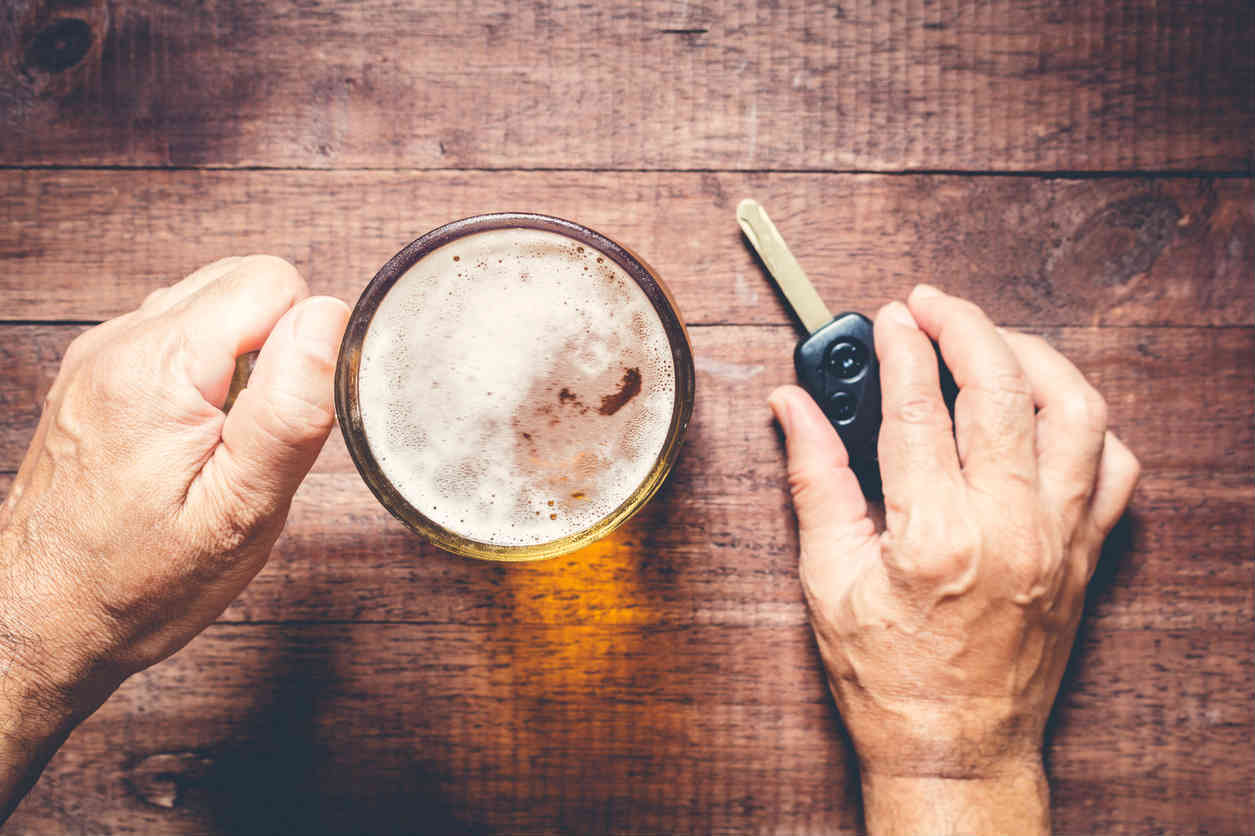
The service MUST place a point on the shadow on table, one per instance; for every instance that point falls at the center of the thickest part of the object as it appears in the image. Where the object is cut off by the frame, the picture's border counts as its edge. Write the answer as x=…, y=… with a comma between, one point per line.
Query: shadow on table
x=276, y=776
x=1107, y=577
x=851, y=787
x=609, y=669
x=282, y=771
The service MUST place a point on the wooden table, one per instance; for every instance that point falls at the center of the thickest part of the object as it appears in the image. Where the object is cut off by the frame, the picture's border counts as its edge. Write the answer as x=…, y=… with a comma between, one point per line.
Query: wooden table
x=1082, y=170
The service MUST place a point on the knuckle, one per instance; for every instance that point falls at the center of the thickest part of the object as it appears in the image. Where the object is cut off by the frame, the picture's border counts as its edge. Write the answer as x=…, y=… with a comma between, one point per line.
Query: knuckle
x=1085, y=409
x=936, y=565
x=1098, y=411
x=1042, y=348
x=266, y=262
x=1042, y=568
x=964, y=313
x=920, y=406
x=926, y=555
x=80, y=348
x=92, y=341
x=294, y=419
x=154, y=297
x=1127, y=464
x=803, y=482
x=110, y=378
x=1033, y=341
x=274, y=270
x=916, y=411
x=970, y=309
x=1134, y=468
x=225, y=261
x=1010, y=389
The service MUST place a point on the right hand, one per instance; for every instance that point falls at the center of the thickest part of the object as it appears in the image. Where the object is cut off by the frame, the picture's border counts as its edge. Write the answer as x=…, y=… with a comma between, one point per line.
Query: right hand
x=945, y=637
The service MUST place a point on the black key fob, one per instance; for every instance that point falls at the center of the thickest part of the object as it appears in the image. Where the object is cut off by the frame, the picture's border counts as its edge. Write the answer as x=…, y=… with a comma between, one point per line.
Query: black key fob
x=837, y=366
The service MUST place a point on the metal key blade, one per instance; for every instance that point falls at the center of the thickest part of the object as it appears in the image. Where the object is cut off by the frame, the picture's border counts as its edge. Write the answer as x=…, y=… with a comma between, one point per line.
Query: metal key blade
x=784, y=269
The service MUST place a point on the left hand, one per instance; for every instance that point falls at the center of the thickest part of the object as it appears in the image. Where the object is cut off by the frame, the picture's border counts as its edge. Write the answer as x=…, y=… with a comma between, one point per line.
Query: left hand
x=141, y=509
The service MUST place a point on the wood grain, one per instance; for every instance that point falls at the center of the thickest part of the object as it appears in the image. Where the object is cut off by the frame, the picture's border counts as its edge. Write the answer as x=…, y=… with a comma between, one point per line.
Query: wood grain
x=1004, y=85
x=569, y=727
x=718, y=546
x=664, y=680
x=1120, y=251
x=1181, y=560
x=1145, y=374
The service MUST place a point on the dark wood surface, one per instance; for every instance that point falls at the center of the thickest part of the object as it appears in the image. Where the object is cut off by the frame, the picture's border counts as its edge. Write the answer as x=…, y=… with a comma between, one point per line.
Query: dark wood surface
x=1115, y=85
x=1080, y=170
x=1034, y=251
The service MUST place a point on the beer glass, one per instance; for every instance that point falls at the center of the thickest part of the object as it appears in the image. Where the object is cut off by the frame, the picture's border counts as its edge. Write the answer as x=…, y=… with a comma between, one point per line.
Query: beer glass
x=349, y=403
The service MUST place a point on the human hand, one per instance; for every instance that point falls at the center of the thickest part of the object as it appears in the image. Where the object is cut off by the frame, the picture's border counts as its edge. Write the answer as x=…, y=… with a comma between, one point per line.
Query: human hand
x=141, y=509
x=945, y=636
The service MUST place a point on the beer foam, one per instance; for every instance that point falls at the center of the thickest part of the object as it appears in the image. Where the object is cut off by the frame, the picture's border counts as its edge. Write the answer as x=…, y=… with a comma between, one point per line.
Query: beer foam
x=516, y=386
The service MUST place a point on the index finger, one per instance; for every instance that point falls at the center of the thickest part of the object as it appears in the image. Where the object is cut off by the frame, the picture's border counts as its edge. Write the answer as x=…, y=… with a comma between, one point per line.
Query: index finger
x=993, y=414
x=233, y=315
x=164, y=298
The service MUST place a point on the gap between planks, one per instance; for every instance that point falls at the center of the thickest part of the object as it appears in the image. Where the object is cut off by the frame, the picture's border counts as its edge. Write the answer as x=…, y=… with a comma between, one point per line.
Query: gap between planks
x=1165, y=326
x=1043, y=174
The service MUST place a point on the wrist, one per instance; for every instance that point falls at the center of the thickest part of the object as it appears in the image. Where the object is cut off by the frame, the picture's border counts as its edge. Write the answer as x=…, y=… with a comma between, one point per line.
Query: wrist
x=1010, y=798
x=51, y=665
x=34, y=721
x=967, y=738
x=49, y=682
x=31, y=707
x=39, y=706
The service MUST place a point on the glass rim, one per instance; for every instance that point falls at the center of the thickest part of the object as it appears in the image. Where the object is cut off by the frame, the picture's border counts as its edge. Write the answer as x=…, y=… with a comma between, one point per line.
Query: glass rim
x=348, y=406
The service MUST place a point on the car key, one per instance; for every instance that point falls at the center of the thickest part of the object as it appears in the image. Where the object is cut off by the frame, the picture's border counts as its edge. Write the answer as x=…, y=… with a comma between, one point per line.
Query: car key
x=836, y=361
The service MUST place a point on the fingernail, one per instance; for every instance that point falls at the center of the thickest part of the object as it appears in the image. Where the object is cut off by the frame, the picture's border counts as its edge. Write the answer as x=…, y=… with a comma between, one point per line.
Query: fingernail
x=899, y=315
x=926, y=291
x=319, y=326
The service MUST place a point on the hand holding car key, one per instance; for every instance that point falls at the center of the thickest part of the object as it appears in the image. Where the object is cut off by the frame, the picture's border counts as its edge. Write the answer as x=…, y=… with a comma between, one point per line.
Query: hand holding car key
x=836, y=362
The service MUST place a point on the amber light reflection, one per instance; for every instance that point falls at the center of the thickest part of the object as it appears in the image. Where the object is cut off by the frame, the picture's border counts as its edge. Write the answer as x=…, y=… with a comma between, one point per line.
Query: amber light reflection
x=584, y=677
x=599, y=584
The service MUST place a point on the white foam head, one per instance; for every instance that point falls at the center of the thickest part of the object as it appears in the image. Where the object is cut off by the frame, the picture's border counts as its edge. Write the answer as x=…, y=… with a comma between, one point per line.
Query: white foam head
x=516, y=386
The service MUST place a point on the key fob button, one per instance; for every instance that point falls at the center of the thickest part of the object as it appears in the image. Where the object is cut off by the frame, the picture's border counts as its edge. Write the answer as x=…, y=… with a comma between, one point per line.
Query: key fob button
x=847, y=359
x=842, y=406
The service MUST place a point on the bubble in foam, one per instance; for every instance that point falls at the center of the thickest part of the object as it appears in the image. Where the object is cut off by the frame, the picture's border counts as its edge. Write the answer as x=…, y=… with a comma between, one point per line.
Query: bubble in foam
x=516, y=412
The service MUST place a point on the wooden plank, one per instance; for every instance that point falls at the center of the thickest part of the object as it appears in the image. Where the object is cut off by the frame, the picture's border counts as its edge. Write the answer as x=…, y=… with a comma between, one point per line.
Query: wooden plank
x=1181, y=561
x=1122, y=251
x=1137, y=704
x=600, y=729
x=718, y=545
x=700, y=555
x=1172, y=414
x=1006, y=85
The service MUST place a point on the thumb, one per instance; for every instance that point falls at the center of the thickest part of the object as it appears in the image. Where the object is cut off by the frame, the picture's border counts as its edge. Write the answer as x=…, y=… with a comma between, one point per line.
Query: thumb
x=826, y=495
x=279, y=422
